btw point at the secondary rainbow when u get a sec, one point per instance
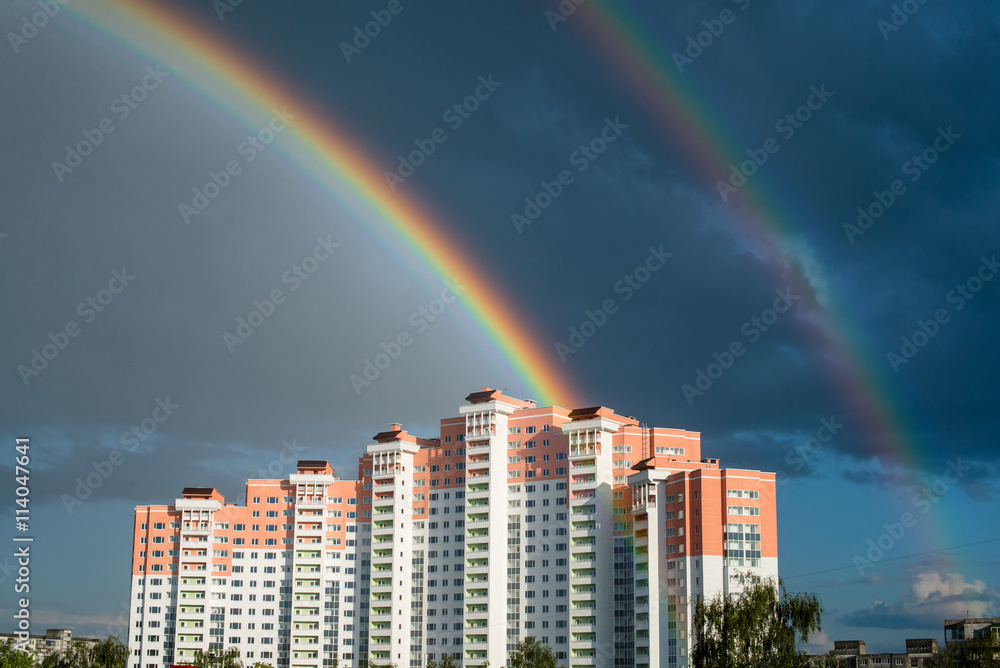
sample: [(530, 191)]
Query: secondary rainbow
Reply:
[(690, 124), (247, 90)]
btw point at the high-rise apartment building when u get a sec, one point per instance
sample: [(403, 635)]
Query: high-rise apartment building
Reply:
[(580, 527)]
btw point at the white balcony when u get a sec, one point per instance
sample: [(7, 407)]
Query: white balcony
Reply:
[(644, 505), (199, 531)]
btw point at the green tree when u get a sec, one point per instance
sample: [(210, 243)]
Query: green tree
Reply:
[(447, 661), (979, 652), (227, 659), (108, 653), (829, 660), (532, 654), (949, 657), (757, 628), (77, 655), (11, 657)]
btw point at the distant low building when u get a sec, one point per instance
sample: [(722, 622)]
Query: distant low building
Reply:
[(53, 642), (960, 630), (854, 654)]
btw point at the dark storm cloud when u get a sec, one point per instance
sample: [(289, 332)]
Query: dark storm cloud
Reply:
[(552, 98)]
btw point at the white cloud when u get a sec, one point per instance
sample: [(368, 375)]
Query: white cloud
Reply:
[(819, 643), (931, 597)]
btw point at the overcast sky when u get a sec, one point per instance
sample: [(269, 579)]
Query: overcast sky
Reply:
[(840, 104)]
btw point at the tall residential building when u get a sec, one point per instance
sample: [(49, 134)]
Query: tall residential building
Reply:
[(581, 527)]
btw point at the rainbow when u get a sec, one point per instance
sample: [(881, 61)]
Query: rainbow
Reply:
[(687, 122), (246, 89)]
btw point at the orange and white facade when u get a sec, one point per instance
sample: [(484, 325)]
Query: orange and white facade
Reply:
[(581, 528)]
